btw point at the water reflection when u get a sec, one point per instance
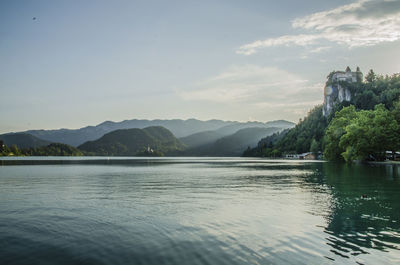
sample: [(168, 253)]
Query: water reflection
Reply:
[(365, 214)]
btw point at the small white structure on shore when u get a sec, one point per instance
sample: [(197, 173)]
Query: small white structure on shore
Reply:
[(149, 150), (307, 156)]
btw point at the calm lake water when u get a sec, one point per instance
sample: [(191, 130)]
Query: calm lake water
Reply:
[(197, 211)]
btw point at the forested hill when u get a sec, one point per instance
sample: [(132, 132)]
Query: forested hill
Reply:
[(22, 140), (310, 134), (307, 132), (155, 140)]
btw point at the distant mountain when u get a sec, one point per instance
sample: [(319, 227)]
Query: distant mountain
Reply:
[(201, 138), (232, 145), (233, 128), (23, 140), (281, 124), (131, 142), (180, 128)]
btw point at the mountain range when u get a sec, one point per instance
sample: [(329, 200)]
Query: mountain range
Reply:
[(188, 137), (180, 128)]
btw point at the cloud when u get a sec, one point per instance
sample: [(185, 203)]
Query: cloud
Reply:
[(363, 23), (252, 85), (319, 49), (299, 40)]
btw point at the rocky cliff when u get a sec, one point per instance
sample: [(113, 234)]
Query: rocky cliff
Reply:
[(334, 92)]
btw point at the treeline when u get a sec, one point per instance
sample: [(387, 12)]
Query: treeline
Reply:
[(363, 135), (362, 128), (54, 149), (377, 89)]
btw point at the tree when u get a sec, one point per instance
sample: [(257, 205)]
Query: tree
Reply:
[(14, 150), (276, 153), (396, 110), (335, 130), (362, 135), (359, 75), (314, 147), (371, 76), (366, 100)]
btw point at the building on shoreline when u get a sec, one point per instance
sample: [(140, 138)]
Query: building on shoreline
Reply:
[(305, 156)]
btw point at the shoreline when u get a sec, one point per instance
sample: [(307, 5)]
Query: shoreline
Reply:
[(389, 162)]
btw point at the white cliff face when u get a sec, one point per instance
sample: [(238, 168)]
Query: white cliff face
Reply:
[(340, 94), (334, 93), (347, 94)]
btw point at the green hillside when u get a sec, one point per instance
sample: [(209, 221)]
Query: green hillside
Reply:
[(22, 140), (307, 131), (131, 142), (233, 145)]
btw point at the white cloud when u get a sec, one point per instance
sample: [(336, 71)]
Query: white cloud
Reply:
[(245, 83), (266, 89), (299, 40), (363, 23), (320, 49)]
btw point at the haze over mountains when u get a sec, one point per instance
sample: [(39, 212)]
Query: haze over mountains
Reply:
[(180, 128), (230, 145), (23, 140), (188, 137)]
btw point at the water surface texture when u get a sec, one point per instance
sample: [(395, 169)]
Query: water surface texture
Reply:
[(197, 211)]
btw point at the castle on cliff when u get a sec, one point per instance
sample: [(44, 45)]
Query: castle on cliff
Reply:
[(335, 93)]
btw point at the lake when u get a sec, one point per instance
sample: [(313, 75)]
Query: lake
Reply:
[(197, 211)]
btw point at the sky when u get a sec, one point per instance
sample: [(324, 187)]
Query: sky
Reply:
[(69, 64)]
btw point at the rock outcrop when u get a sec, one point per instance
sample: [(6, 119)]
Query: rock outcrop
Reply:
[(335, 93)]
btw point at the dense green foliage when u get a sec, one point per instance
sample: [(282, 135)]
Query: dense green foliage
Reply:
[(375, 90), (299, 138), (131, 142), (335, 131), (54, 149), (362, 135)]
